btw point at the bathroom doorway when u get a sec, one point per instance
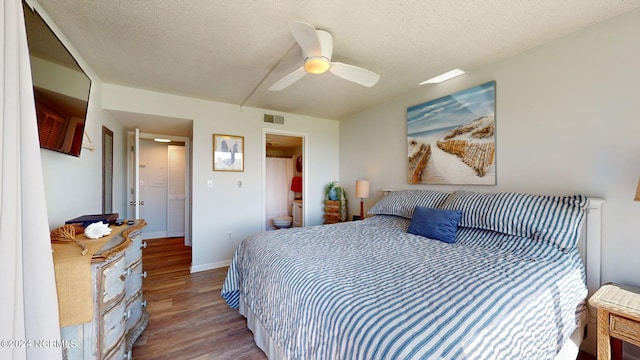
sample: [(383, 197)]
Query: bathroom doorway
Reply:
[(284, 169)]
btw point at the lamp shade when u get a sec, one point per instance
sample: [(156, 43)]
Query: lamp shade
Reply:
[(637, 198), (362, 189)]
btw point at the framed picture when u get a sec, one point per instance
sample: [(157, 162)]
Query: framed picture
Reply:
[(228, 152), (451, 140)]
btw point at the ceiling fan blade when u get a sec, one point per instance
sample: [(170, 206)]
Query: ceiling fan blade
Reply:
[(355, 74), (326, 43), (288, 79), (307, 37)]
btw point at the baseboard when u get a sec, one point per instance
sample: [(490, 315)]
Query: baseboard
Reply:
[(153, 235), (210, 266)]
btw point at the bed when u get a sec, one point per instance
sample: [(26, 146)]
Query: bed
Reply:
[(431, 275)]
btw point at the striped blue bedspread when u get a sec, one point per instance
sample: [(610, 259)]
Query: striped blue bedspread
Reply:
[(370, 290)]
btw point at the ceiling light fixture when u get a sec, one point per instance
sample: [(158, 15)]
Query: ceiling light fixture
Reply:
[(161, 140), (317, 64), (443, 77)]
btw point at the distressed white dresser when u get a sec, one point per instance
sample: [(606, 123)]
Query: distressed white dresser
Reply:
[(102, 309)]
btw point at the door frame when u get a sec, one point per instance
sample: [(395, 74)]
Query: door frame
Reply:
[(187, 183), (305, 137)]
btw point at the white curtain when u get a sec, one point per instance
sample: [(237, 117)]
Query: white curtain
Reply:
[(28, 301), (279, 172)]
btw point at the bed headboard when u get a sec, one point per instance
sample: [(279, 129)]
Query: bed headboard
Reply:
[(589, 247), (590, 244)]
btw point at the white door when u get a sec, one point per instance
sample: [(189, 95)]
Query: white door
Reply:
[(134, 176), (137, 199), (176, 191), (153, 183)]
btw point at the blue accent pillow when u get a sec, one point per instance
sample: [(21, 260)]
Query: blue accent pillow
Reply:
[(435, 224)]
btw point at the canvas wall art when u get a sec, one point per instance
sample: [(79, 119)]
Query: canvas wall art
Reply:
[(451, 140)]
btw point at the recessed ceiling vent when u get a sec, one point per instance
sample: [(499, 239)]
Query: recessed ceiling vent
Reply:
[(274, 119)]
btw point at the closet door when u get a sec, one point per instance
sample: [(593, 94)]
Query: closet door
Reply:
[(176, 191)]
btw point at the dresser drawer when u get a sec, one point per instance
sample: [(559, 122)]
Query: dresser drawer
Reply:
[(625, 329), (119, 352), (133, 281), (112, 279), (134, 251), (113, 326), (135, 308)]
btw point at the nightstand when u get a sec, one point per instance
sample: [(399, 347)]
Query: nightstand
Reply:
[(335, 211), (618, 318)]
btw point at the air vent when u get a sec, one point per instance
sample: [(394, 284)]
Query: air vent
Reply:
[(274, 119)]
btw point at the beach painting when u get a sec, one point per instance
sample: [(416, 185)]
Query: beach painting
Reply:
[(451, 140)]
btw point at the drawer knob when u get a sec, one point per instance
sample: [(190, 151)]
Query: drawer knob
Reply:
[(144, 275), (143, 245), (144, 303)]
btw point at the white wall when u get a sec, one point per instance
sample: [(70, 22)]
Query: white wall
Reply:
[(226, 207), (568, 121)]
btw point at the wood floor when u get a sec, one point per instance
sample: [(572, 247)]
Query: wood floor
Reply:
[(189, 319)]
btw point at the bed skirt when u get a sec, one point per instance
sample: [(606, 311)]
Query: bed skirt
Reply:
[(569, 350), (260, 335)]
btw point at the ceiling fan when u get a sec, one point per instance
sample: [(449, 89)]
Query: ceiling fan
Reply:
[(317, 48)]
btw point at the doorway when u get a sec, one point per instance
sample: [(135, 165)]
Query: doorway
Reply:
[(284, 178), (162, 191)]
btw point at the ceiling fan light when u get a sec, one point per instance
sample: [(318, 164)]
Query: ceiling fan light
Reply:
[(317, 65)]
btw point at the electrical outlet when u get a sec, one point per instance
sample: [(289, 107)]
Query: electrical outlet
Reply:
[(209, 184), (229, 235)]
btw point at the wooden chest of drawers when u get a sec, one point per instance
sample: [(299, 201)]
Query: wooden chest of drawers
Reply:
[(335, 211), (119, 310)]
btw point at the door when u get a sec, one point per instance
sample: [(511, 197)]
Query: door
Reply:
[(153, 185), (177, 204), (176, 196), (133, 194)]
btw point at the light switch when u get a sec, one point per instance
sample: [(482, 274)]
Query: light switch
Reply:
[(209, 184)]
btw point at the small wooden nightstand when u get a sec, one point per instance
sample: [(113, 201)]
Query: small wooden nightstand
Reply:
[(618, 318), (335, 211)]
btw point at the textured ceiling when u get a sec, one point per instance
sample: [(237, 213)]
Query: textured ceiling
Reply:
[(221, 49)]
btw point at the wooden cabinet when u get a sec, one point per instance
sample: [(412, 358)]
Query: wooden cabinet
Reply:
[(335, 211), (119, 309)]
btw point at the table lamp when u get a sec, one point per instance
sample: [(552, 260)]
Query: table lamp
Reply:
[(362, 191)]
